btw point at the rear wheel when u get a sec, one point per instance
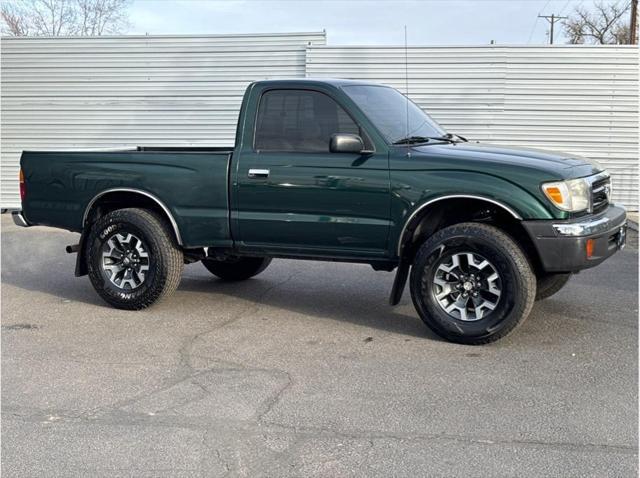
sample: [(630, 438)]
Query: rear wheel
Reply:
[(472, 284), (550, 284), (133, 259), (237, 268)]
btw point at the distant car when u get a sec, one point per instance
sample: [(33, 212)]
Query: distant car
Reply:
[(342, 171)]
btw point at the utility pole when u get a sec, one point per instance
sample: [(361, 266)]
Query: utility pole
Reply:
[(552, 19), (633, 24)]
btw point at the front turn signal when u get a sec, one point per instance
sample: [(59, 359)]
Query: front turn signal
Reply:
[(589, 248), (571, 195)]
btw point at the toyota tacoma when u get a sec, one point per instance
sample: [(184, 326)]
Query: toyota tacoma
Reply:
[(335, 170)]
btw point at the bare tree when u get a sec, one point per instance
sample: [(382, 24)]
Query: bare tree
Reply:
[(14, 20), (622, 34), (64, 17), (53, 17), (100, 17), (605, 25)]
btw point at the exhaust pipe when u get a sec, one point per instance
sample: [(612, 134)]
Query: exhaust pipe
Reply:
[(72, 249)]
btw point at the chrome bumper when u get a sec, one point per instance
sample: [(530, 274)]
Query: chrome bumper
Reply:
[(592, 226), (18, 219), (562, 245)]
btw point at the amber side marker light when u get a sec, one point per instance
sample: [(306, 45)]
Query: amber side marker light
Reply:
[(555, 194), (589, 248), (23, 191)]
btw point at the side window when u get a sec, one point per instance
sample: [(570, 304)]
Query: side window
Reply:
[(299, 120)]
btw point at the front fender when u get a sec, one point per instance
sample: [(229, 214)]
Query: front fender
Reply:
[(413, 191)]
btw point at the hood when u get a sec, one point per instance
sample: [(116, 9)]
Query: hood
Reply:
[(554, 163)]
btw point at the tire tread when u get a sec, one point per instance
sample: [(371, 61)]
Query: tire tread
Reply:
[(495, 235), (171, 255)]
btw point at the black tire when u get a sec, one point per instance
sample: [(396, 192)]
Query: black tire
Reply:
[(237, 268), (516, 283), (550, 284), (163, 260)]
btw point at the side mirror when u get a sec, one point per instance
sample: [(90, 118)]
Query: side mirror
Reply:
[(346, 143)]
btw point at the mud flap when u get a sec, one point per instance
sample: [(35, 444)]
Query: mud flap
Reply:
[(81, 258), (399, 282)]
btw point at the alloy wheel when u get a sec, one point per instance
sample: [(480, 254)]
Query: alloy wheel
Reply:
[(466, 286), (125, 260)]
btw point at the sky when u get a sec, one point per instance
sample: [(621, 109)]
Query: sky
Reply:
[(360, 22)]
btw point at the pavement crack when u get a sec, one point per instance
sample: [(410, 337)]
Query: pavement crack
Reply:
[(185, 353), (268, 405), (376, 435), (271, 288), (256, 428)]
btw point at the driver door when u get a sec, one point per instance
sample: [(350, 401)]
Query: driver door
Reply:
[(294, 195)]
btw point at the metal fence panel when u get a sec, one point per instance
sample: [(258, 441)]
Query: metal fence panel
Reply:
[(108, 92), (69, 93), (574, 99)]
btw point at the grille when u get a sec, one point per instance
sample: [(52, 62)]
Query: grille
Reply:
[(600, 191)]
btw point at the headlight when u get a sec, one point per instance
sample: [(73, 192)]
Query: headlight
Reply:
[(571, 195)]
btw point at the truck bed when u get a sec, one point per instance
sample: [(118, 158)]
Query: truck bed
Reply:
[(190, 182)]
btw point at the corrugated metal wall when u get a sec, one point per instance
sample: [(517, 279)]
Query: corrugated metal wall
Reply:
[(66, 93), (161, 90), (576, 99)]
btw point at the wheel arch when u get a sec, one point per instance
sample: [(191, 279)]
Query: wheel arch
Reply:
[(116, 198), (421, 212), (445, 211)]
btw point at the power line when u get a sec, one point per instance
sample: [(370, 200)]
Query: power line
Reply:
[(552, 19), (565, 6), (533, 29)]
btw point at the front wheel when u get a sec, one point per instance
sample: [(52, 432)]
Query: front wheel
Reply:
[(133, 259), (472, 284), (237, 268)]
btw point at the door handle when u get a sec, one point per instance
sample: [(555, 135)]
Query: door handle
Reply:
[(258, 173)]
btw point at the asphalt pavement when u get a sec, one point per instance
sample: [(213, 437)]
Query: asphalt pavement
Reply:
[(306, 371)]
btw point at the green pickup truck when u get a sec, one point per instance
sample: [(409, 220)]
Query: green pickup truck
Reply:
[(335, 170)]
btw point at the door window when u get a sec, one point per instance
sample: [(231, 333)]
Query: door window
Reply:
[(300, 121)]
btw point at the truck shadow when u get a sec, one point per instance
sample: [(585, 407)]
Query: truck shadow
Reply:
[(365, 304), (347, 293), (367, 308), (68, 288)]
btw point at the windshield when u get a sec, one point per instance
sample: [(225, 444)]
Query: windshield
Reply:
[(387, 110)]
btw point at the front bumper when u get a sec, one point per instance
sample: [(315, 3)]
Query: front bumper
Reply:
[(562, 245), (19, 219)]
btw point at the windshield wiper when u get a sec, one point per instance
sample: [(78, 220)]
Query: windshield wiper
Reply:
[(452, 136), (449, 138), (424, 139), (412, 140)]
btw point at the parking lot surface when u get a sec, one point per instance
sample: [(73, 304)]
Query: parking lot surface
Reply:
[(306, 371)]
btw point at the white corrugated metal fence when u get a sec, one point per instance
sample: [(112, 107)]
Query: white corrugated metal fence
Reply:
[(68, 93), (107, 92), (574, 99)]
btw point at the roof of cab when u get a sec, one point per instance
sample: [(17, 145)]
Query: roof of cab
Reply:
[(337, 82)]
